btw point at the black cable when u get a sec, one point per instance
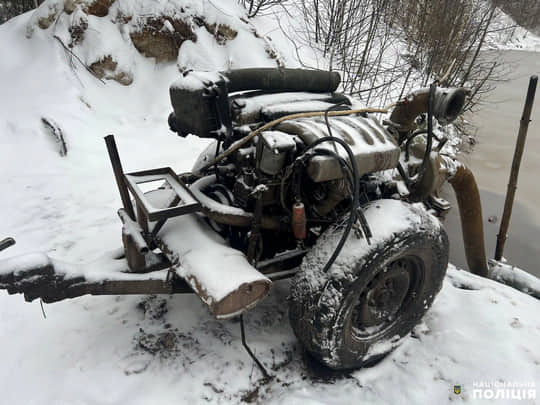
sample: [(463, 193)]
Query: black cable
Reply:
[(414, 135), (410, 139), (331, 108), (216, 172), (353, 214), (255, 359), (297, 173), (429, 143), (343, 163)]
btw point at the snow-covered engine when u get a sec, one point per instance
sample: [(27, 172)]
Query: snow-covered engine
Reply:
[(288, 149)]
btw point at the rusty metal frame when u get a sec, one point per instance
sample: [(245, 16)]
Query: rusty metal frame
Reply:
[(188, 202)]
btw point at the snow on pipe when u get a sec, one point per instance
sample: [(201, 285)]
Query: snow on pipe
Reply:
[(221, 276), (470, 210), (514, 277)]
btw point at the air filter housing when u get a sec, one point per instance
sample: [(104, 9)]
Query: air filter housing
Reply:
[(199, 101)]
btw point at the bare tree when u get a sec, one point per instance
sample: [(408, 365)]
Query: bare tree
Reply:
[(254, 7), (12, 8), (447, 37)]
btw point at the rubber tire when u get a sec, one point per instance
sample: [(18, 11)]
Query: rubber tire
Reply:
[(321, 304)]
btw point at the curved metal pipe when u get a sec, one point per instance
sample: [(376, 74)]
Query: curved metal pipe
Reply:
[(225, 214), (470, 211), (447, 105)]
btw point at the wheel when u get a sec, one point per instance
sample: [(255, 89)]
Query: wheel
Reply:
[(374, 294)]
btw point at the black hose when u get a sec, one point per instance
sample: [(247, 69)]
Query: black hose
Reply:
[(216, 172), (297, 172), (317, 81), (343, 163), (354, 209), (410, 139), (429, 143), (331, 108), (414, 135)]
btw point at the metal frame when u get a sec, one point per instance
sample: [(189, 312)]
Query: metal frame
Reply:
[(187, 201)]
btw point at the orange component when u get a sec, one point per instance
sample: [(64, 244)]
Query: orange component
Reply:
[(299, 221)]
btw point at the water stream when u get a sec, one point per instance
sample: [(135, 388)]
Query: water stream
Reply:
[(498, 123)]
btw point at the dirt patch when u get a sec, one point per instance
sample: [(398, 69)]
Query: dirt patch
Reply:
[(71, 5), (153, 307), (99, 8), (221, 32), (77, 30), (106, 68), (163, 344), (45, 22), (161, 37)]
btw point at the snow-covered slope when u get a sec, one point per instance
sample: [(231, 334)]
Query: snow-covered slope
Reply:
[(505, 34), (141, 350)]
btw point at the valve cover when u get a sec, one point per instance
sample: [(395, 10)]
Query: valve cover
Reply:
[(373, 146)]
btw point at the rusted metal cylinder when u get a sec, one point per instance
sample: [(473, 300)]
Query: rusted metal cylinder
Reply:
[(470, 211), (299, 221), (447, 105)]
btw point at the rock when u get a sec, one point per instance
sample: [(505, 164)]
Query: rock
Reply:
[(71, 5), (122, 77), (99, 8), (122, 18), (29, 31), (107, 64), (106, 68), (221, 32), (78, 28), (156, 40), (45, 22)]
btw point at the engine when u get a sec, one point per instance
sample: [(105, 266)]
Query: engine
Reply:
[(288, 155)]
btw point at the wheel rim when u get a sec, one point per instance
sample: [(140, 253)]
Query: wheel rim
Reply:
[(386, 297)]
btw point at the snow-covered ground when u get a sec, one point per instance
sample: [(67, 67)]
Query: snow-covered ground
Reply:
[(140, 350), (145, 350)]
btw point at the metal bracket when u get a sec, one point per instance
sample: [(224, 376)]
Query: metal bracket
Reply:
[(187, 203)]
